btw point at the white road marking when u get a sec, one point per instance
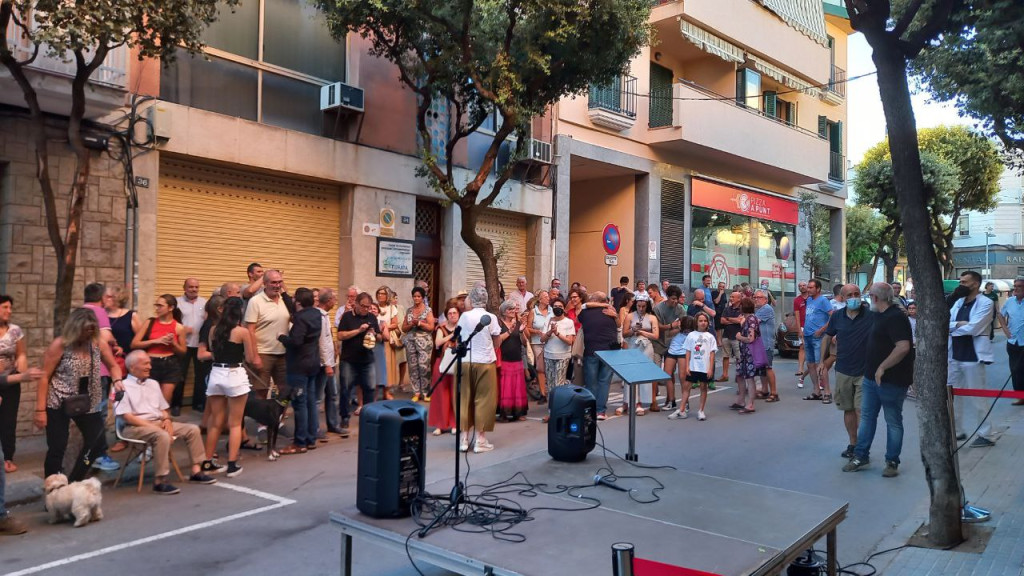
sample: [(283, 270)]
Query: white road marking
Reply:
[(279, 502)]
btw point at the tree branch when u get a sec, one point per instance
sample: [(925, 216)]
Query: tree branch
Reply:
[(935, 24), (907, 19)]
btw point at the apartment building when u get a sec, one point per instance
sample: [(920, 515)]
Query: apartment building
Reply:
[(699, 155), (994, 241)]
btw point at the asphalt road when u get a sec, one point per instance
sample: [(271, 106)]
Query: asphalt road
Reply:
[(272, 518)]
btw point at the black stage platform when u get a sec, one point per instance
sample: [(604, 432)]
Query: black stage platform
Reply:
[(701, 522)]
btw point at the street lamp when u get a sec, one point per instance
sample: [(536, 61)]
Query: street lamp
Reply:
[(988, 266)]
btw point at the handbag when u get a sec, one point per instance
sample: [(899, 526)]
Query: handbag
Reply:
[(447, 367), (79, 404), (758, 353)]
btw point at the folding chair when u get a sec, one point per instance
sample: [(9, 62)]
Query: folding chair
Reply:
[(137, 449)]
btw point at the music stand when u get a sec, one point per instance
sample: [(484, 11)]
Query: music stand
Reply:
[(634, 368)]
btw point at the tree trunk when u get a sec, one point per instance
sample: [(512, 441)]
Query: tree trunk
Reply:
[(930, 368), (484, 249), (73, 233)]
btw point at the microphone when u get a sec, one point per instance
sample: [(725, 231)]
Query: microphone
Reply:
[(456, 333), (603, 481), (484, 321)]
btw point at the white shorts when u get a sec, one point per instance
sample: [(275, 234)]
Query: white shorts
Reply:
[(230, 382)]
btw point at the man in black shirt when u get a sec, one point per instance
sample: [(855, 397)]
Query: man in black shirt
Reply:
[(888, 372), (619, 293), (358, 332), (731, 322), (302, 359), (601, 333)]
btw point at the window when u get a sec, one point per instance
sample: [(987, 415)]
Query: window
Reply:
[(748, 88), (1020, 271), (964, 226), (269, 71), (720, 246)]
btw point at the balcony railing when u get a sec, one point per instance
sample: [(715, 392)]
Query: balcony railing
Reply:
[(113, 71), (837, 167), (837, 82), (618, 97)]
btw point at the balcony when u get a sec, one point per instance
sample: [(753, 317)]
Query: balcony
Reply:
[(51, 78), (715, 129), (835, 92), (614, 105)]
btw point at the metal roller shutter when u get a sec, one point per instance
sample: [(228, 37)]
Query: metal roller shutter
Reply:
[(508, 233), (673, 245), (212, 222)]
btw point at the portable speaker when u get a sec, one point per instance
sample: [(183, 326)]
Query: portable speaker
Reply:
[(392, 457), (572, 428)]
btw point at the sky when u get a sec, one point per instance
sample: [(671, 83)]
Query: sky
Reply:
[(866, 122)]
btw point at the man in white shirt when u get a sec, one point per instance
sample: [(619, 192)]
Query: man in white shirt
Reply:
[(969, 351), (267, 317), (193, 314), (144, 410), (521, 296), (479, 386), (326, 384)]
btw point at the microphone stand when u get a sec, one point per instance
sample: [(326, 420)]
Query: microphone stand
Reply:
[(457, 496)]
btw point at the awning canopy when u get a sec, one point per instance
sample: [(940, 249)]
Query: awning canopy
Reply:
[(779, 75), (807, 16), (710, 43)]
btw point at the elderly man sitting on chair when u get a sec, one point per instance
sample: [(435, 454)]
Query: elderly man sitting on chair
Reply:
[(146, 418)]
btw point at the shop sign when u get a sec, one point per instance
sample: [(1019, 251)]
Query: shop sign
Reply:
[(394, 258), (707, 194)]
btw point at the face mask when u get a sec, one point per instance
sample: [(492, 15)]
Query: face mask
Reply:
[(853, 303), (557, 311)]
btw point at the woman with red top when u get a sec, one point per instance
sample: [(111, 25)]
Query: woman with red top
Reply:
[(163, 338), (442, 407), (574, 305)]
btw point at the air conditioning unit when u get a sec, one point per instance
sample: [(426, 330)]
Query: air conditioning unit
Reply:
[(341, 95), (539, 151)]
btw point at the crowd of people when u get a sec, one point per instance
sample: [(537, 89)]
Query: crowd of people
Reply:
[(259, 340)]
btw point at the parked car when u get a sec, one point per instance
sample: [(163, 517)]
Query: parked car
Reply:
[(787, 342)]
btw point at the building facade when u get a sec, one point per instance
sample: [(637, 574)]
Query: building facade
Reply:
[(997, 235), (700, 154), (253, 152)]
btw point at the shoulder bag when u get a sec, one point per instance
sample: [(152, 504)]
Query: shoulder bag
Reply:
[(79, 404)]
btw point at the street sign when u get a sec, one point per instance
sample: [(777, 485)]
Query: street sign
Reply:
[(984, 271), (610, 239), (611, 259)]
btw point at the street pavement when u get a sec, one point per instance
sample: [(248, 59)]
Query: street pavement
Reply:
[(273, 518)]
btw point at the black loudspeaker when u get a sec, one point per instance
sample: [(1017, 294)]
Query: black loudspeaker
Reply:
[(392, 457), (572, 428)]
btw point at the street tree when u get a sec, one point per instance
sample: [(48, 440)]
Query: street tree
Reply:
[(863, 229), (977, 65), (85, 33), (896, 37), (977, 164), (818, 255), (876, 187), (511, 58)]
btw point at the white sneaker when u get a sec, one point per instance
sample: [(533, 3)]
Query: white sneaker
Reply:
[(701, 416), (482, 446), (679, 414), (800, 383)]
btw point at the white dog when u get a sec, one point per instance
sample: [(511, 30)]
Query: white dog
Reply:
[(80, 499)]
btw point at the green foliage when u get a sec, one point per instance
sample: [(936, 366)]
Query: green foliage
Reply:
[(816, 217), (864, 229), (155, 27), (977, 65), (513, 56)]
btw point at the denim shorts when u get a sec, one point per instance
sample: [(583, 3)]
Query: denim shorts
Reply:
[(812, 349)]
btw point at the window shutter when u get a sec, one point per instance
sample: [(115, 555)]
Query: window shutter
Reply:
[(771, 104), (823, 126), (673, 243), (661, 103), (837, 137)]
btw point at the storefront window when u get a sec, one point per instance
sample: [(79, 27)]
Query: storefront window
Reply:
[(776, 257), (720, 247)]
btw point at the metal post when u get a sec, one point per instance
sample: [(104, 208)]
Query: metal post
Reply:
[(622, 559), (634, 398), (988, 271), (968, 514), (346, 555)]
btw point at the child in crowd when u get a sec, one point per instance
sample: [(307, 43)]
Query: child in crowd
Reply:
[(676, 353), (699, 368)]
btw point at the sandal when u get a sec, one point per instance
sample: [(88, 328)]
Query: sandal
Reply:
[(826, 399), (437, 431), (735, 406), (293, 449), (746, 411), (360, 409), (249, 445), (772, 398), (640, 411), (814, 396), (10, 467), (620, 410)]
